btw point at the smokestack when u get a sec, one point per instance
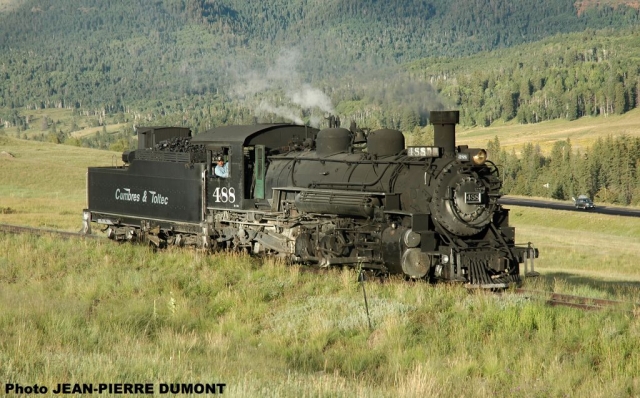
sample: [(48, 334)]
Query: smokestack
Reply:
[(444, 129)]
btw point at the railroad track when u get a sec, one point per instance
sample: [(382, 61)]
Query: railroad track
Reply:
[(584, 303), (17, 229), (550, 298)]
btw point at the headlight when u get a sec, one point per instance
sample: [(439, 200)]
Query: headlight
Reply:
[(480, 157), (444, 258)]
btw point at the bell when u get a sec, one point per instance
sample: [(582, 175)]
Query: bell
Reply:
[(360, 138)]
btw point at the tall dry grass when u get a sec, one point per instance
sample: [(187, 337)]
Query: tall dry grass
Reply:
[(87, 311)]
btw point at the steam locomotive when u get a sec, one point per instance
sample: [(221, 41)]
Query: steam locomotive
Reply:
[(329, 197)]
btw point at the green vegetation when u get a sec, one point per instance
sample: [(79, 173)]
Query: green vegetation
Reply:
[(565, 76), (123, 313), (608, 171)]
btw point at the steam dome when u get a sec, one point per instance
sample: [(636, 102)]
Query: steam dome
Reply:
[(385, 142)]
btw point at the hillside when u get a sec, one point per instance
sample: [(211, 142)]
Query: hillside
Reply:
[(202, 64), (582, 132), (112, 55)]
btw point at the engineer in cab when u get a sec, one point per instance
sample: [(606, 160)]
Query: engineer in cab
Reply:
[(222, 168)]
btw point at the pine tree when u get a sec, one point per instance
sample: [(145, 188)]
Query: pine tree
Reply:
[(508, 105), (572, 107), (493, 150), (410, 119), (620, 99)]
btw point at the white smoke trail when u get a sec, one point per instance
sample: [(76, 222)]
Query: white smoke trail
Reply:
[(282, 111), (283, 77), (310, 97)]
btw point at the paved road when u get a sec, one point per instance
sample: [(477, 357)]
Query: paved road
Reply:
[(552, 204)]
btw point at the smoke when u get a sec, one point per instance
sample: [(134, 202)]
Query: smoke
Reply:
[(287, 113), (315, 120), (309, 97), (282, 74), (281, 91)]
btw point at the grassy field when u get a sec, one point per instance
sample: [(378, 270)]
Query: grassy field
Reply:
[(63, 119), (94, 311), (583, 253), (582, 132), (43, 184)]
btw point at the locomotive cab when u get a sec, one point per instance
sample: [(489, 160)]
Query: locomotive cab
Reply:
[(225, 192), (243, 188), (245, 149)]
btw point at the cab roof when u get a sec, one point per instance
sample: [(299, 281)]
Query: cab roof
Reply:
[(271, 135)]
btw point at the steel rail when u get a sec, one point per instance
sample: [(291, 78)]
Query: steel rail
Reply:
[(19, 229), (585, 303)]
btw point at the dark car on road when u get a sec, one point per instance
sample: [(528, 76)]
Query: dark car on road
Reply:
[(584, 203)]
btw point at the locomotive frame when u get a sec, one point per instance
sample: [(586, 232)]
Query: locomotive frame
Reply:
[(323, 197)]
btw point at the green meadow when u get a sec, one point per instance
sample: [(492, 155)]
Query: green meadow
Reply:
[(92, 311)]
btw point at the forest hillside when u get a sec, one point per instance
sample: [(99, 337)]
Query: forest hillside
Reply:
[(117, 55)]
